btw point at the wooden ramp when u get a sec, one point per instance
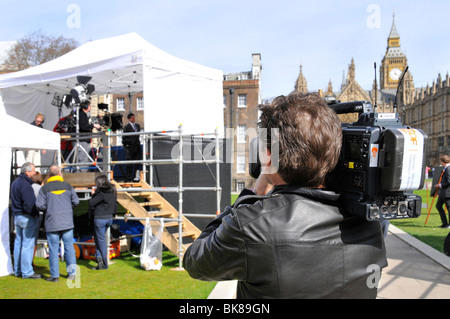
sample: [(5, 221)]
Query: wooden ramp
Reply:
[(151, 204)]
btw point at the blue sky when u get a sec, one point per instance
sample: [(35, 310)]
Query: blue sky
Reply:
[(321, 35)]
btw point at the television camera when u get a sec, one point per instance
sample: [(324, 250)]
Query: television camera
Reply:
[(109, 121), (381, 163)]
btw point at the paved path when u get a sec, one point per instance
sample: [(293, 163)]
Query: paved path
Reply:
[(415, 270)]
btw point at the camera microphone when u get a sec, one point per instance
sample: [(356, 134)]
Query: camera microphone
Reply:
[(352, 107)]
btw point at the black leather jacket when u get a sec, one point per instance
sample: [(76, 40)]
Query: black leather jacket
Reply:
[(293, 243)]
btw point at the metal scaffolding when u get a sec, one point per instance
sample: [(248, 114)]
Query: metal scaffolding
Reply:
[(148, 162)]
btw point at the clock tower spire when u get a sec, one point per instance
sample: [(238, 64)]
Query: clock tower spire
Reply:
[(394, 61)]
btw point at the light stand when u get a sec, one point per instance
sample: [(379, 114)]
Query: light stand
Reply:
[(79, 94)]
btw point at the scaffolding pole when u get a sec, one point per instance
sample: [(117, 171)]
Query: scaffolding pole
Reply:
[(148, 162)]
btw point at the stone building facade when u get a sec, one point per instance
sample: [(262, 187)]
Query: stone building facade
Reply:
[(428, 109), (241, 97)]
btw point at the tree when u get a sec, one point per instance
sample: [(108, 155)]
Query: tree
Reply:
[(36, 48)]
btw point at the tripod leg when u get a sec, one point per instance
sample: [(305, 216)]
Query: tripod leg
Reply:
[(429, 209)]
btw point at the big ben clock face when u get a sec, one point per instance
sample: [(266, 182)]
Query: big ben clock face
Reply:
[(395, 74)]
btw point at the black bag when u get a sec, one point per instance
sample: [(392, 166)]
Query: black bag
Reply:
[(115, 231)]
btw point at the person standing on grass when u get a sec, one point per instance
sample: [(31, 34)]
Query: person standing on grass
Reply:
[(104, 205), (57, 199), (25, 221), (444, 191)]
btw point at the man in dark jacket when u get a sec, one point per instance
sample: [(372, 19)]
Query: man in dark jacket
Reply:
[(444, 191), (57, 199), (26, 222), (132, 145), (293, 242), (104, 205)]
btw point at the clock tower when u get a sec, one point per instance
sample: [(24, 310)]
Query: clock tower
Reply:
[(394, 61)]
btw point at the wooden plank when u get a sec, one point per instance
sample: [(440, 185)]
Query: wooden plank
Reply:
[(80, 179), (166, 210)]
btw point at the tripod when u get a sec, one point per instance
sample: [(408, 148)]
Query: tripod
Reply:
[(74, 154)]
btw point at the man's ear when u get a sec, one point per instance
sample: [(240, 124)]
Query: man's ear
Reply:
[(265, 160)]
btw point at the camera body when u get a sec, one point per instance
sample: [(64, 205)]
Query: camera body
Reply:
[(381, 163), (110, 121)]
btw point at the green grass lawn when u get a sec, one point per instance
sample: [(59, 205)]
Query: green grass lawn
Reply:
[(125, 279), (429, 233)]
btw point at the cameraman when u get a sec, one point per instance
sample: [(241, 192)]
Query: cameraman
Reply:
[(293, 242), (85, 127)]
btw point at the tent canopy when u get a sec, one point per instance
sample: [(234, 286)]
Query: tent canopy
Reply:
[(176, 91)]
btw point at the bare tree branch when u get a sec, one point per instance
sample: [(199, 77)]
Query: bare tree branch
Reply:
[(36, 48)]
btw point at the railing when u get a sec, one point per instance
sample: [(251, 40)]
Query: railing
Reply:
[(149, 162)]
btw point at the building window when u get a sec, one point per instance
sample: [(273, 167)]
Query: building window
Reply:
[(240, 186), (240, 165), (120, 104), (242, 100), (241, 129), (140, 103), (224, 101), (440, 143)]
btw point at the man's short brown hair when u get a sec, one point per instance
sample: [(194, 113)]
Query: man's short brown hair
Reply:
[(445, 158), (310, 137)]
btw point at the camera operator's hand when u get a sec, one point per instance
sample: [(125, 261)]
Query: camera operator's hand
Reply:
[(262, 185)]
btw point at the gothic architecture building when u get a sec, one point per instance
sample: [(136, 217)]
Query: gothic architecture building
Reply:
[(394, 61), (427, 108)]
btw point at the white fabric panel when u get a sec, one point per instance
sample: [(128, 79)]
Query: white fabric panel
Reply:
[(6, 267), (16, 134)]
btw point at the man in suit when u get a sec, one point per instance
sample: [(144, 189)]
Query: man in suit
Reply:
[(132, 146), (444, 191)]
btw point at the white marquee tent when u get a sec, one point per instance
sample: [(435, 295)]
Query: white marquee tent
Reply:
[(175, 91), (16, 135)]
